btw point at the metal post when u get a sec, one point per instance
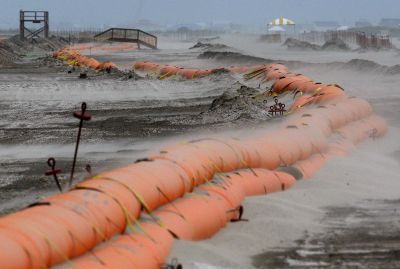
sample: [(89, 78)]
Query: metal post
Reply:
[(21, 25), (82, 116), (54, 171), (46, 24)]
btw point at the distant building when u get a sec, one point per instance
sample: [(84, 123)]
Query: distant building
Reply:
[(390, 22)]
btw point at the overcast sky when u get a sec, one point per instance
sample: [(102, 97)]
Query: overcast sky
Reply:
[(254, 12)]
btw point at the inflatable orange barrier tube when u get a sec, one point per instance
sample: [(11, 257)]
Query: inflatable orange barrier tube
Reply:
[(267, 151), (80, 229), (195, 215), (122, 195), (274, 74), (228, 187), (139, 66), (187, 73), (204, 73), (41, 231), (150, 67), (284, 83), (216, 156), (168, 71), (238, 69), (310, 87), (147, 248), (106, 65), (104, 210), (153, 182), (155, 238), (310, 166), (13, 254), (164, 71), (76, 58), (297, 82), (262, 181)]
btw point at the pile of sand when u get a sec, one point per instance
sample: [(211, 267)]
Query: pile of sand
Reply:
[(362, 65), (295, 44), (7, 54), (333, 44), (209, 46), (233, 57), (208, 39), (13, 49), (241, 103)]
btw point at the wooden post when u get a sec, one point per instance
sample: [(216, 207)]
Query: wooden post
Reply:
[(21, 25), (46, 24)]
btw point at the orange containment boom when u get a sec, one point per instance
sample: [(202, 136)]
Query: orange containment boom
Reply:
[(163, 71), (129, 217), (74, 58)]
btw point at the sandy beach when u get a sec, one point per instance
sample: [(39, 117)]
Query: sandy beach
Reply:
[(346, 216)]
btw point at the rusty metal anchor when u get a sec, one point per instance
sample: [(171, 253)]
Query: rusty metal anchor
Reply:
[(173, 265), (277, 108), (54, 171), (373, 133), (82, 116)]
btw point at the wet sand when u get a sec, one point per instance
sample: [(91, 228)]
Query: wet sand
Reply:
[(363, 236)]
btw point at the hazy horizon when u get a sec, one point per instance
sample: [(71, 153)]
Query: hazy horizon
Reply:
[(172, 12)]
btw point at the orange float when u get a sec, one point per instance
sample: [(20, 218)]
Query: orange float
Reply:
[(187, 73), (153, 183)]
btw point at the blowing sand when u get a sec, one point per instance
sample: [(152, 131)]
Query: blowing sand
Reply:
[(362, 181), (276, 221), (134, 117)]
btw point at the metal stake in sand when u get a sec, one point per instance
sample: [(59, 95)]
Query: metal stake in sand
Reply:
[(277, 108), (82, 116), (54, 171)]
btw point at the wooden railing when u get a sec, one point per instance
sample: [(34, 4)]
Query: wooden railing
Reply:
[(128, 35)]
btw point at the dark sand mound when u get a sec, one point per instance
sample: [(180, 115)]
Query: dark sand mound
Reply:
[(236, 104), (7, 55), (13, 49), (364, 65), (229, 56), (360, 65), (230, 98), (393, 70), (372, 67), (295, 44), (333, 44), (209, 46), (208, 39), (240, 104)]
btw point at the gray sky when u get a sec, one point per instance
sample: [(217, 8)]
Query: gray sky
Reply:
[(255, 12)]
